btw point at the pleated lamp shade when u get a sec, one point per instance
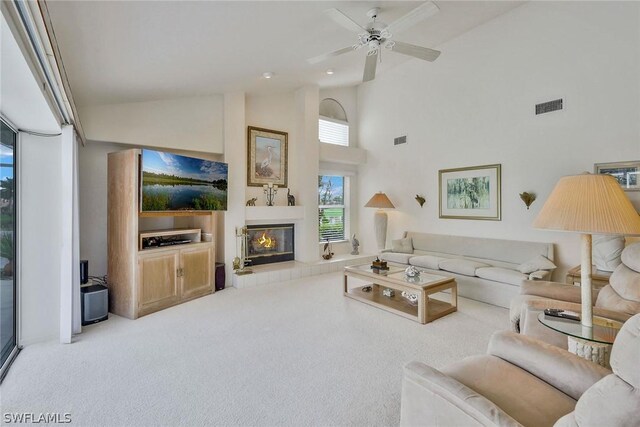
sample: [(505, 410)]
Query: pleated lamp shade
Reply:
[(380, 201), (589, 204)]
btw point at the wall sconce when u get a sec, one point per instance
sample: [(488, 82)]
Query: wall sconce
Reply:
[(528, 198), (420, 199)]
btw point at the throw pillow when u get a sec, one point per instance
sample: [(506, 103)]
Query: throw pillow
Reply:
[(404, 246), (538, 263)]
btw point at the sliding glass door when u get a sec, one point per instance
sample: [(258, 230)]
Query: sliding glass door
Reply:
[(8, 339)]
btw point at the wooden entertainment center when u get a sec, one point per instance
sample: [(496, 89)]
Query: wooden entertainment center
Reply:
[(145, 280)]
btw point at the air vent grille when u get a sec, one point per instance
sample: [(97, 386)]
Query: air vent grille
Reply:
[(547, 107), (400, 140)]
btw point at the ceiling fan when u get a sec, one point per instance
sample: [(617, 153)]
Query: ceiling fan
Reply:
[(377, 35)]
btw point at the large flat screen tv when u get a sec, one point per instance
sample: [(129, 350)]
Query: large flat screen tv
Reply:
[(171, 182)]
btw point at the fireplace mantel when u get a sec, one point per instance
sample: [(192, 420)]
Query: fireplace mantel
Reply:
[(274, 213)]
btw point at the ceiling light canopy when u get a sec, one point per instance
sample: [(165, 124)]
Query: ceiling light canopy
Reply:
[(267, 74)]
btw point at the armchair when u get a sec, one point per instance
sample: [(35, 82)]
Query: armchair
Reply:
[(617, 301), (522, 381)]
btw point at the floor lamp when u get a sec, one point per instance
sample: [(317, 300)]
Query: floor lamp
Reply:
[(380, 201), (588, 204)]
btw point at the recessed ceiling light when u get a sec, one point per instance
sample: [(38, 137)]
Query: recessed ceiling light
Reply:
[(267, 75), (330, 71)]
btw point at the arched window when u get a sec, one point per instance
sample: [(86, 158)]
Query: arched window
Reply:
[(333, 127)]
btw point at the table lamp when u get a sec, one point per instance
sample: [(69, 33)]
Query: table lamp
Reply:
[(588, 204), (380, 201)]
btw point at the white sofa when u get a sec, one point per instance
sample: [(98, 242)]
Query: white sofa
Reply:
[(485, 269)]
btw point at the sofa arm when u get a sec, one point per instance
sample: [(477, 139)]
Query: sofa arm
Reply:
[(539, 275), (565, 371), (432, 398), (552, 290)]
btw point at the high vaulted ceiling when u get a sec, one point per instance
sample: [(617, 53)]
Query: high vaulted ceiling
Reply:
[(126, 51)]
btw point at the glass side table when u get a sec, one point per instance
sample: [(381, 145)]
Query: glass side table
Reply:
[(589, 343)]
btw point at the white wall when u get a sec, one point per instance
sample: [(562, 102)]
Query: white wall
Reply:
[(40, 243), (194, 124), (475, 105), (276, 112), (93, 202)]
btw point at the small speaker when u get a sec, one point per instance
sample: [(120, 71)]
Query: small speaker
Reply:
[(220, 276), (84, 271), (95, 304)]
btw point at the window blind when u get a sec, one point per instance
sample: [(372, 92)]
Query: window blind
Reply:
[(332, 132)]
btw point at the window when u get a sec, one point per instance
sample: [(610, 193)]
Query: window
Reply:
[(331, 212), (8, 342), (333, 131)]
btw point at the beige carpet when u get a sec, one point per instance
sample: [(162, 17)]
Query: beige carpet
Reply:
[(294, 353)]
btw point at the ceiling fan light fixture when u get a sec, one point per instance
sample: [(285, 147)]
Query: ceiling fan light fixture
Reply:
[(330, 71), (267, 74)]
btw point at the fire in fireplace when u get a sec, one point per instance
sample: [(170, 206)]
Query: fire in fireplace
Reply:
[(270, 243)]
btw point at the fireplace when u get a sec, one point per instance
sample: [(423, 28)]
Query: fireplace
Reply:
[(270, 243)]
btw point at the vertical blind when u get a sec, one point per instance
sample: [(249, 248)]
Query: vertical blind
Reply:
[(333, 132)]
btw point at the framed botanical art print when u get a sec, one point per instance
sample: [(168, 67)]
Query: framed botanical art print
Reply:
[(267, 157), (471, 193), (626, 173)]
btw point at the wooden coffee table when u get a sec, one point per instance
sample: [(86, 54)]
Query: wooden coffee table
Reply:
[(427, 308)]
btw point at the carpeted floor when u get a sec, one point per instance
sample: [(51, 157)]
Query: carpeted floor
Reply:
[(294, 353)]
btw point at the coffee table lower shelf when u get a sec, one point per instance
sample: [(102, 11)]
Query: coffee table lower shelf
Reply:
[(399, 305)]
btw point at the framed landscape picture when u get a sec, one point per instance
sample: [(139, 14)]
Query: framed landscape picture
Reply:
[(626, 173), (471, 193), (267, 157)]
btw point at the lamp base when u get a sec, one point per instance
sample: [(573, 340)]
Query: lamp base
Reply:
[(380, 227), (586, 299)]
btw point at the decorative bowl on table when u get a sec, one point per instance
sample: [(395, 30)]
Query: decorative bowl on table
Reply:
[(411, 271)]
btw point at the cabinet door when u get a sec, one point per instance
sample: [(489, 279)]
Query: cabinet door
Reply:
[(158, 282), (197, 277)]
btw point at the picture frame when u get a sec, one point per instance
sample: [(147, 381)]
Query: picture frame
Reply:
[(267, 161), (471, 193), (626, 173)]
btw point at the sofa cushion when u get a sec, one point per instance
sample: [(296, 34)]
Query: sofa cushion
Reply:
[(461, 266), (631, 256), (609, 299), (528, 399), (626, 353), (537, 263), (504, 275), (626, 282), (427, 261), (403, 246), (395, 257)]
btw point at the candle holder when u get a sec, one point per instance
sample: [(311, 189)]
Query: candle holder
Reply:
[(270, 192)]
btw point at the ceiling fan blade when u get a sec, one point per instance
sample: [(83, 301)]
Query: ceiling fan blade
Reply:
[(418, 14), (370, 67), (343, 20), (326, 56), (419, 52)]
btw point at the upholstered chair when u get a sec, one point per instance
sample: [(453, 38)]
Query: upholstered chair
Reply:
[(617, 301), (522, 381)]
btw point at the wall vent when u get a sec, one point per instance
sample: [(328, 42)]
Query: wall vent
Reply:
[(547, 107), (400, 140)]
